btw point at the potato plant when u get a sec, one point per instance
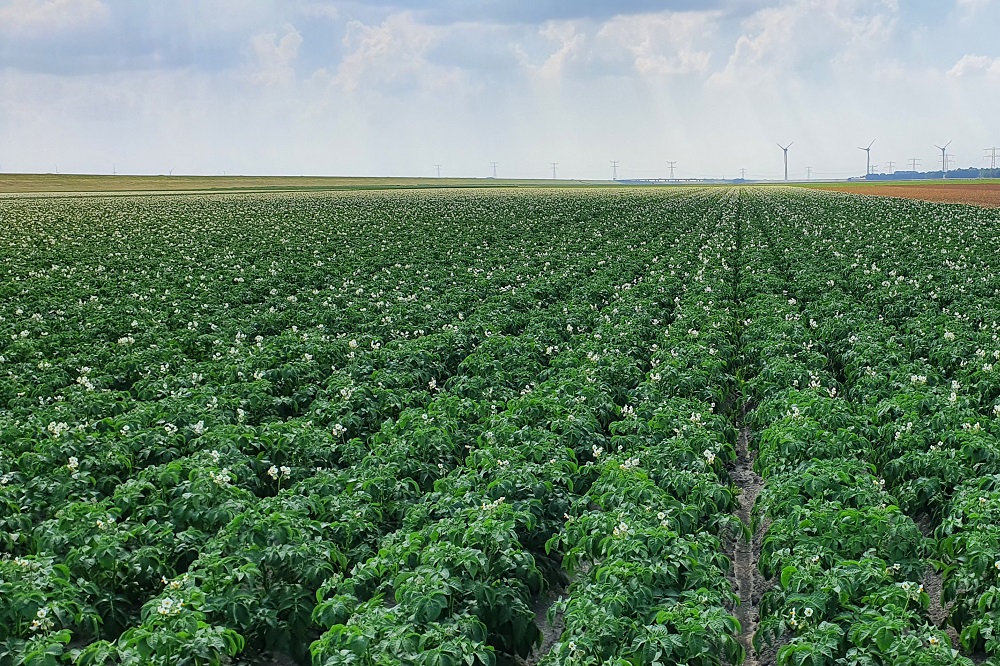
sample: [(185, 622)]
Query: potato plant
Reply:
[(383, 428)]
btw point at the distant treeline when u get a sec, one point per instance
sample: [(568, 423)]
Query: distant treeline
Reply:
[(930, 175)]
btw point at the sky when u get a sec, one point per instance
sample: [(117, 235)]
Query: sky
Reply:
[(394, 87)]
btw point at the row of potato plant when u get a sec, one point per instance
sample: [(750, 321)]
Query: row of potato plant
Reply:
[(643, 547), (920, 363), (847, 561), (560, 427), (257, 416)]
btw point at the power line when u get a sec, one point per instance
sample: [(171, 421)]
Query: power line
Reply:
[(494, 165), (438, 167), (553, 165), (993, 156), (671, 164), (614, 169), (914, 163), (743, 174), (890, 166), (809, 173)]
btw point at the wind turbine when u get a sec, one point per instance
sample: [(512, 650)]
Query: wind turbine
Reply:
[(868, 151), (785, 150), (944, 159)]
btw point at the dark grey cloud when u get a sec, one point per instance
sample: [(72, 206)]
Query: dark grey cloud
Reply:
[(143, 34), (129, 35), (213, 35)]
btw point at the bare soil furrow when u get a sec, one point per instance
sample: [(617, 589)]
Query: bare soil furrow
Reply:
[(746, 554)]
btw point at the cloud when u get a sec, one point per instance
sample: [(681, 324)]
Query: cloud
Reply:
[(83, 37), (398, 85), (969, 7), (975, 64), (664, 44), (392, 54), (656, 45), (536, 12), (33, 17), (321, 10), (275, 57), (809, 36), (569, 45)]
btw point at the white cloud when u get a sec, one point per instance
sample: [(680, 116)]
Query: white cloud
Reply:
[(659, 44), (975, 64), (569, 47), (665, 44), (35, 17), (392, 54), (805, 34), (275, 57)]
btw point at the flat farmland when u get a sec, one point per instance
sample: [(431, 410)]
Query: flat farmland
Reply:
[(499, 427), (55, 184)]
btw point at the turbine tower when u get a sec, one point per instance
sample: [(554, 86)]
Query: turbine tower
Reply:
[(868, 152), (944, 158), (785, 150)]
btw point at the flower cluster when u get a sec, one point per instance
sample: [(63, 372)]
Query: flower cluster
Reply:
[(43, 621), (169, 606), (221, 478), (282, 472), (489, 506)]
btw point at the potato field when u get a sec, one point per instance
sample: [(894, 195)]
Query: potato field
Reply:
[(625, 427)]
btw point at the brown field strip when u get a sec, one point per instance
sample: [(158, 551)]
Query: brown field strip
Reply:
[(979, 194)]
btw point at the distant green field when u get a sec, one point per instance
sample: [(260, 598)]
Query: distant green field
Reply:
[(60, 183)]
